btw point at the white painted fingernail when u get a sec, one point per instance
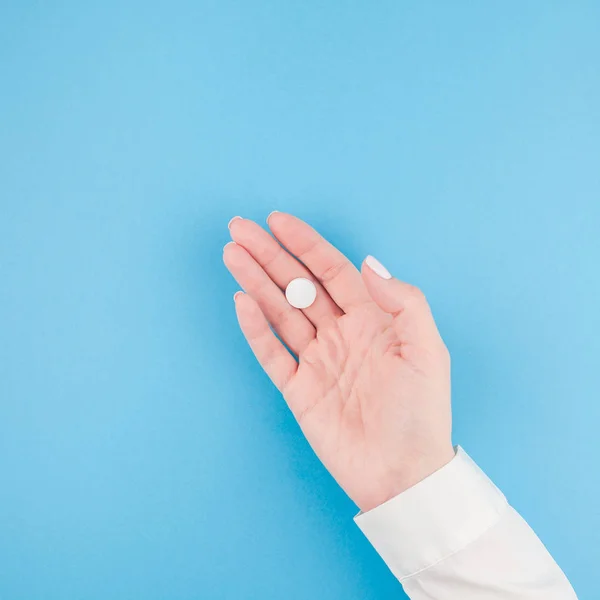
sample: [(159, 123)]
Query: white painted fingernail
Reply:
[(235, 296), (377, 267), (232, 220), (271, 214)]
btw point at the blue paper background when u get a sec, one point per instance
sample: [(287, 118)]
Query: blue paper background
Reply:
[(143, 454)]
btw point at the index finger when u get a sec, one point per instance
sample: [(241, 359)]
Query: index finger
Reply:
[(335, 272)]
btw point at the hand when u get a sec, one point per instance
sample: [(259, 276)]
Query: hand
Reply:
[(371, 386)]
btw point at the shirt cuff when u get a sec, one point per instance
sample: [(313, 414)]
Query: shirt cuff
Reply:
[(434, 519)]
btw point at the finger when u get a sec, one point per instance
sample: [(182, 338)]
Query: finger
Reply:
[(413, 320), (337, 274), (281, 267), (290, 324), (277, 362)]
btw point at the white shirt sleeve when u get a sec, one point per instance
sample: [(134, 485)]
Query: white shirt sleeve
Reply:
[(453, 536)]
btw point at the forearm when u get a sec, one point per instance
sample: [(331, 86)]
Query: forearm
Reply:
[(453, 536)]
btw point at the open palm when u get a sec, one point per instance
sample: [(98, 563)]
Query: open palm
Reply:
[(371, 384)]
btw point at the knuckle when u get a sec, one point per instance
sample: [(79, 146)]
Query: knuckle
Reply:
[(310, 246), (269, 257), (333, 271), (280, 316), (415, 297)]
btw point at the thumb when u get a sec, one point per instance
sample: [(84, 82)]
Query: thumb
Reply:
[(413, 320)]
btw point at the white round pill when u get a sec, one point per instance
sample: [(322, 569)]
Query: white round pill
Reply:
[(301, 292)]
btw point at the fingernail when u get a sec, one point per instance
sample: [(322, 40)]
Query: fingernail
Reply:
[(271, 214), (377, 267), (228, 244), (232, 220), (235, 296)]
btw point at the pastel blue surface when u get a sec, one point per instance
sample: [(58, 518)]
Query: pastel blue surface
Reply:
[(143, 453)]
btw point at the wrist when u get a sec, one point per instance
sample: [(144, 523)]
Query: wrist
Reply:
[(411, 474)]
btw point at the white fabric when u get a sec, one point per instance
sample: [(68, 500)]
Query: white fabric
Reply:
[(453, 536)]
